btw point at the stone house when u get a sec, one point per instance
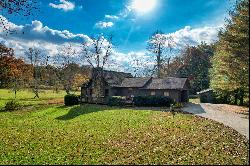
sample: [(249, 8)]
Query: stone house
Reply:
[(99, 89)]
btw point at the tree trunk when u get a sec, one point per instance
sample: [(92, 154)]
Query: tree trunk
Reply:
[(159, 62), (235, 97), (241, 97)]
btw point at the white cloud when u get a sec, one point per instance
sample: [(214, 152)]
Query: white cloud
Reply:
[(102, 24), (114, 17), (193, 36), (64, 5), (48, 40), (37, 31), (131, 61)]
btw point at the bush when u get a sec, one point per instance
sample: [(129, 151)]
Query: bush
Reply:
[(71, 99), (12, 106), (193, 96), (177, 105), (117, 101), (156, 101)]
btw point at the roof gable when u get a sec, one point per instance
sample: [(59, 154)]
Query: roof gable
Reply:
[(167, 83), (134, 82)]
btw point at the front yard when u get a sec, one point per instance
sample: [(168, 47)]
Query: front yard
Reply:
[(103, 135)]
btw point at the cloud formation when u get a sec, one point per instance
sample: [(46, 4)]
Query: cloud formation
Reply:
[(49, 41), (37, 31), (103, 24), (114, 17), (37, 35), (64, 5), (194, 36)]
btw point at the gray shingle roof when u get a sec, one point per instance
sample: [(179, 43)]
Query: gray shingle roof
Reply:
[(115, 78), (166, 83), (134, 82)]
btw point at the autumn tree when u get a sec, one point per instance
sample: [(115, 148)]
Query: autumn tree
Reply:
[(14, 73), (159, 44), (230, 72), (194, 63)]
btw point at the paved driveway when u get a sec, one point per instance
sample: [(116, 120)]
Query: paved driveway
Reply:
[(238, 122)]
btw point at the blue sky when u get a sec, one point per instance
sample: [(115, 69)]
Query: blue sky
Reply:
[(189, 21)]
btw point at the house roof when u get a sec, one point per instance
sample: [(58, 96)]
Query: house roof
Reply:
[(126, 80), (166, 83), (134, 82), (115, 78)]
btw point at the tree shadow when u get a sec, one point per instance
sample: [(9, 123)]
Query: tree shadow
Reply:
[(193, 108), (81, 110)]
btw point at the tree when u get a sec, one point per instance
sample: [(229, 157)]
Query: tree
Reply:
[(158, 44), (65, 63), (97, 53), (5, 51), (140, 66), (194, 63), (14, 73), (37, 59), (230, 72), (21, 8)]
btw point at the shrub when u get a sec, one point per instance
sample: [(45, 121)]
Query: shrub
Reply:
[(71, 99), (193, 96), (177, 105), (12, 106), (156, 101), (117, 101)]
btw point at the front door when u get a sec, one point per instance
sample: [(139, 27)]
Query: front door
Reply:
[(184, 96)]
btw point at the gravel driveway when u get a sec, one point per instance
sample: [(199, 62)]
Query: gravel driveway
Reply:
[(238, 122)]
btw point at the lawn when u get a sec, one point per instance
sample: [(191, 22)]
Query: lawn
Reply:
[(94, 134), (26, 97)]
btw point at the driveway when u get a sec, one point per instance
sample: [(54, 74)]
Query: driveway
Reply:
[(239, 122)]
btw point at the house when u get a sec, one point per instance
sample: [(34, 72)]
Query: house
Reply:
[(99, 89)]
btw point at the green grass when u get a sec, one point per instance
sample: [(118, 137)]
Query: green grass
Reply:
[(26, 97), (195, 100), (102, 135)]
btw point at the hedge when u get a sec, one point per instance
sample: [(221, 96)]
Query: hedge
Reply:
[(71, 99), (156, 101), (117, 101)]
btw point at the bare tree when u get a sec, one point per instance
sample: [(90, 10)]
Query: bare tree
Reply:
[(20, 8), (37, 59), (66, 64), (97, 53), (141, 66), (159, 44)]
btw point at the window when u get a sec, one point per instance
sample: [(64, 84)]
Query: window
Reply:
[(166, 93), (130, 89), (152, 93), (106, 92)]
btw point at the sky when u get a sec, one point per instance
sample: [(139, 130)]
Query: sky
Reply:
[(130, 22)]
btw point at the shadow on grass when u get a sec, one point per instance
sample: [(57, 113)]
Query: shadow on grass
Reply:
[(81, 110), (193, 108)]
